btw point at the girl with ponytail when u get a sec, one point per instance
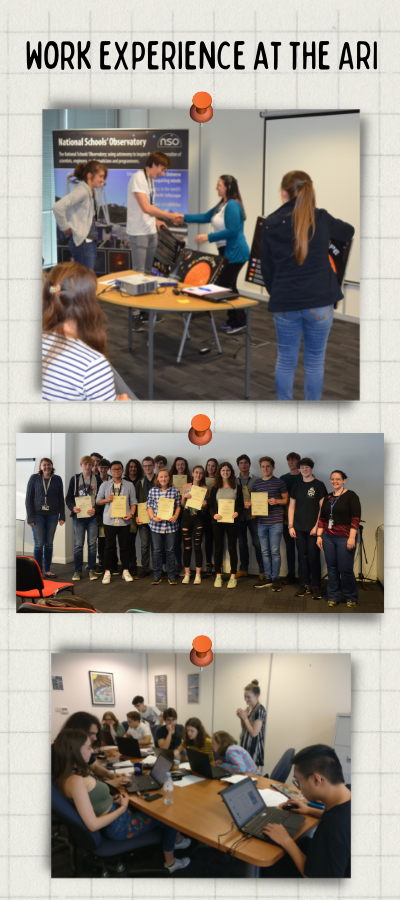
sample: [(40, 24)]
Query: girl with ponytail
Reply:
[(76, 212), (301, 282)]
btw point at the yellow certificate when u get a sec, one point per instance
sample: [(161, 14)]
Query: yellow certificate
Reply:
[(246, 494), (143, 513), (118, 507), (210, 482), (259, 504), (165, 508), (197, 496), (226, 508), (83, 503), (179, 481)]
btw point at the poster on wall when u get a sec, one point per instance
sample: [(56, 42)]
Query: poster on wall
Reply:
[(57, 682), (123, 151), (161, 691), (102, 688), (193, 688)]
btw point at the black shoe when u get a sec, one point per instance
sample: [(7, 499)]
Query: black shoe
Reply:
[(133, 570), (209, 568), (290, 579), (115, 570), (316, 593), (276, 585), (99, 569), (303, 590), (264, 584), (142, 574)]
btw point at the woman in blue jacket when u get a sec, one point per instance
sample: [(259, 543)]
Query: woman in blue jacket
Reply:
[(227, 219), (301, 282), (45, 508)]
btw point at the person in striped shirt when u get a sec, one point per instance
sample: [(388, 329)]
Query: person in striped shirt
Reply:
[(234, 758), (163, 531), (74, 354), (270, 528)]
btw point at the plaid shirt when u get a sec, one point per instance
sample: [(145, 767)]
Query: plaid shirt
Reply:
[(171, 493), (239, 761)]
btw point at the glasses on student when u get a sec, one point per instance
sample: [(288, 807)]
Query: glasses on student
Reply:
[(296, 783)]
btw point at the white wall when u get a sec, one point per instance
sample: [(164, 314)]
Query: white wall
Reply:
[(129, 670), (302, 692)]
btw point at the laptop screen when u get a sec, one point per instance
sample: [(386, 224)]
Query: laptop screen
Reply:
[(243, 802), (160, 769)]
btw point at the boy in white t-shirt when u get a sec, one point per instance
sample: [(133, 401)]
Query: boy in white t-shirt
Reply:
[(143, 216), (139, 730)]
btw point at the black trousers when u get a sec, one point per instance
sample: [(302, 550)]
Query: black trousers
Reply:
[(111, 532), (231, 531), (208, 537), (290, 550), (192, 527), (309, 558), (101, 544), (236, 317)]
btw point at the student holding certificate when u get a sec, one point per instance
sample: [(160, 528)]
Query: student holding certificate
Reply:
[(194, 505), (163, 505), (180, 474), (226, 506), (270, 526), (211, 469), (119, 500), (247, 523), (81, 501)]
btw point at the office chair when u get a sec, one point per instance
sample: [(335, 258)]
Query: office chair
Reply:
[(281, 771), (93, 842), (30, 583)]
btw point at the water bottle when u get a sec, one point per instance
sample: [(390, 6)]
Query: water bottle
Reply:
[(168, 789)]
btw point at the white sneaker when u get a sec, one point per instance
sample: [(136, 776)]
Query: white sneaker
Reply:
[(106, 578), (178, 864), (127, 575), (197, 580), (186, 578), (184, 844)]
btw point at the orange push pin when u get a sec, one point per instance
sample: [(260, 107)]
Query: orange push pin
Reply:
[(200, 433), (201, 111), (201, 655)]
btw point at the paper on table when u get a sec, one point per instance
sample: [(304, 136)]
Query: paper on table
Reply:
[(178, 481), (226, 508), (128, 771), (259, 504), (122, 765), (185, 765), (234, 779), (151, 760), (118, 508), (271, 798), (83, 503), (187, 779), (143, 513), (165, 508), (197, 496)]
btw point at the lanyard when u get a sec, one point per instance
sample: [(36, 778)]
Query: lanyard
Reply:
[(86, 487), (118, 493), (333, 501), (150, 185), (46, 488)]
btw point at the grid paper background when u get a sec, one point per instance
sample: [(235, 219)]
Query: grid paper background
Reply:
[(374, 641)]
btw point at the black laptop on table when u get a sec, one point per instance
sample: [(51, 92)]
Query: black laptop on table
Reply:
[(150, 782), (250, 813), (128, 746), (200, 763)]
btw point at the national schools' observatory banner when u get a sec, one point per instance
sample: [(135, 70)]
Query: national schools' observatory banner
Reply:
[(124, 151)]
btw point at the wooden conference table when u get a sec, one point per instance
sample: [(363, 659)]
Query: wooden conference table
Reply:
[(168, 302), (200, 813)]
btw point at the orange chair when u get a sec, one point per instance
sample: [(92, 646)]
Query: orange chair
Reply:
[(30, 583)]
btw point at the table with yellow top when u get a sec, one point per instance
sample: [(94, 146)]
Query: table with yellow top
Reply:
[(165, 301)]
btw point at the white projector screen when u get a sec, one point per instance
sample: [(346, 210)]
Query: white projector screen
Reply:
[(327, 147)]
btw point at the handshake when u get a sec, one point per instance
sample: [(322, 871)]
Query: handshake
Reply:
[(176, 218)]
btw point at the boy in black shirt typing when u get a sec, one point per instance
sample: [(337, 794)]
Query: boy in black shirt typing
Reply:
[(319, 776)]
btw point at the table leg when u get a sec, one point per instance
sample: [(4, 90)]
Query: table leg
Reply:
[(130, 327), (215, 333), (151, 352), (248, 352), (184, 336), (252, 871)]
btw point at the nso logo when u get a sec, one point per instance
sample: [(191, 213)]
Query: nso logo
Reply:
[(169, 140)]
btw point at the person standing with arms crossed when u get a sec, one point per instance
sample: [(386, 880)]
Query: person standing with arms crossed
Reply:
[(304, 507), (293, 476)]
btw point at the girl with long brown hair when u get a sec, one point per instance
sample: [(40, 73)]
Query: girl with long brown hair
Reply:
[(75, 364), (75, 213), (194, 735), (301, 281), (192, 525), (225, 488)]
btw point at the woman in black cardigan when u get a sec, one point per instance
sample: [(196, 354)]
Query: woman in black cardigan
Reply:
[(300, 279), (225, 488), (45, 509), (337, 533)]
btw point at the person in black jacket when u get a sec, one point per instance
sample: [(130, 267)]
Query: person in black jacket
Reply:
[(225, 488), (301, 282), (45, 509)]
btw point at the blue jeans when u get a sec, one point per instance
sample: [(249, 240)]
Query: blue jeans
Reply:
[(159, 542), (145, 544), (133, 823), (85, 254), (315, 325), (44, 530), (251, 525), (340, 564), (81, 528), (270, 534)]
